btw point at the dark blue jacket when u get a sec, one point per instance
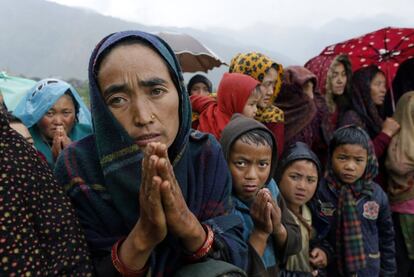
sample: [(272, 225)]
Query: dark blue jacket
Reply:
[(377, 229)]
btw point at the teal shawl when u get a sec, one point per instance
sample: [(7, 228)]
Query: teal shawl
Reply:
[(102, 174)]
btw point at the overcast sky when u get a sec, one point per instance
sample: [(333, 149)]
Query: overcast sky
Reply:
[(238, 14)]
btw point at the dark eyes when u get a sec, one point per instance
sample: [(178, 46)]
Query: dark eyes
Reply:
[(158, 91), (116, 101), (240, 163), (263, 164)]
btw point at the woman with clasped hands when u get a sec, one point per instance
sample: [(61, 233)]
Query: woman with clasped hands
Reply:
[(152, 195)]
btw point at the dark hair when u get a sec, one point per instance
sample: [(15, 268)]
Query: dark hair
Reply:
[(198, 78), (256, 137), (404, 79), (350, 134), (75, 103)]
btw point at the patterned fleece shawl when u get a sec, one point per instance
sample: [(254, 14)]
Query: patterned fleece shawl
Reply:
[(350, 248), (256, 65), (40, 234), (233, 92), (400, 158), (102, 174)]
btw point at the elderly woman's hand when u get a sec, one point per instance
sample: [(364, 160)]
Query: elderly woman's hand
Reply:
[(151, 227), (180, 220)]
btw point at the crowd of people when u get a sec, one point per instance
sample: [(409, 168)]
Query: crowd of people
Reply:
[(296, 171)]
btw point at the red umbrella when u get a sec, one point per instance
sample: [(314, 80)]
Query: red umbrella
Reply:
[(387, 48)]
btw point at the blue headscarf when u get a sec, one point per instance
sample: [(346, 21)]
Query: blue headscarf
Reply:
[(40, 99), (103, 172)]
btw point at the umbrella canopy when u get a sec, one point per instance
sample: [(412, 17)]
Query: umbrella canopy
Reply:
[(387, 48), (192, 54), (13, 89)]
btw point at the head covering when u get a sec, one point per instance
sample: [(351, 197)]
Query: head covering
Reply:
[(232, 94), (400, 158), (404, 79), (323, 71), (257, 65), (362, 102), (41, 98), (40, 233), (240, 125), (350, 248), (102, 173), (299, 109), (294, 152), (198, 78)]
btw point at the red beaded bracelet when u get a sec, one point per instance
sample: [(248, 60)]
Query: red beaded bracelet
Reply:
[(121, 267), (205, 248)]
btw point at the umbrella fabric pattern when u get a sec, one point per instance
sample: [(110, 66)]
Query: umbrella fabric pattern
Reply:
[(387, 48), (192, 54)]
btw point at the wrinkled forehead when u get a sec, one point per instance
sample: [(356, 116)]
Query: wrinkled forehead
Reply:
[(127, 38)]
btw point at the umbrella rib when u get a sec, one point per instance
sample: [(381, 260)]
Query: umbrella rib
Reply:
[(402, 41)]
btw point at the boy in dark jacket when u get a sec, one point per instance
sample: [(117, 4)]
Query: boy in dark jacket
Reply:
[(298, 175), (361, 228), (250, 150)]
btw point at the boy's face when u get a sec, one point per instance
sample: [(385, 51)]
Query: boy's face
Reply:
[(250, 167), (298, 183), (349, 162)]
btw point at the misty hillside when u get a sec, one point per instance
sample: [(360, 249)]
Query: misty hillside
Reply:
[(45, 39)]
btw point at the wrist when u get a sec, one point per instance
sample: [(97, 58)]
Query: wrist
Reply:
[(134, 251), (259, 235), (280, 234), (123, 268), (195, 238), (205, 248), (387, 132)]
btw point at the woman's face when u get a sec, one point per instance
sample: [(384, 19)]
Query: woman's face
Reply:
[(268, 87), (378, 89), (339, 79), (136, 86), (199, 89), (62, 114)]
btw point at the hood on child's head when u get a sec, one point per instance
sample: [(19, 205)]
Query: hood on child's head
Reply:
[(294, 152), (240, 125)]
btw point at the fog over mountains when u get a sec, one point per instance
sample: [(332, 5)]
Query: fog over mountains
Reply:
[(45, 39)]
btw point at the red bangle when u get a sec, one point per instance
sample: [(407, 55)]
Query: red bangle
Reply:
[(205, 248), (121, 267)]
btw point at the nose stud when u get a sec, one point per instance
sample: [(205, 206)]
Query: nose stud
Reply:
[(153, 116)]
